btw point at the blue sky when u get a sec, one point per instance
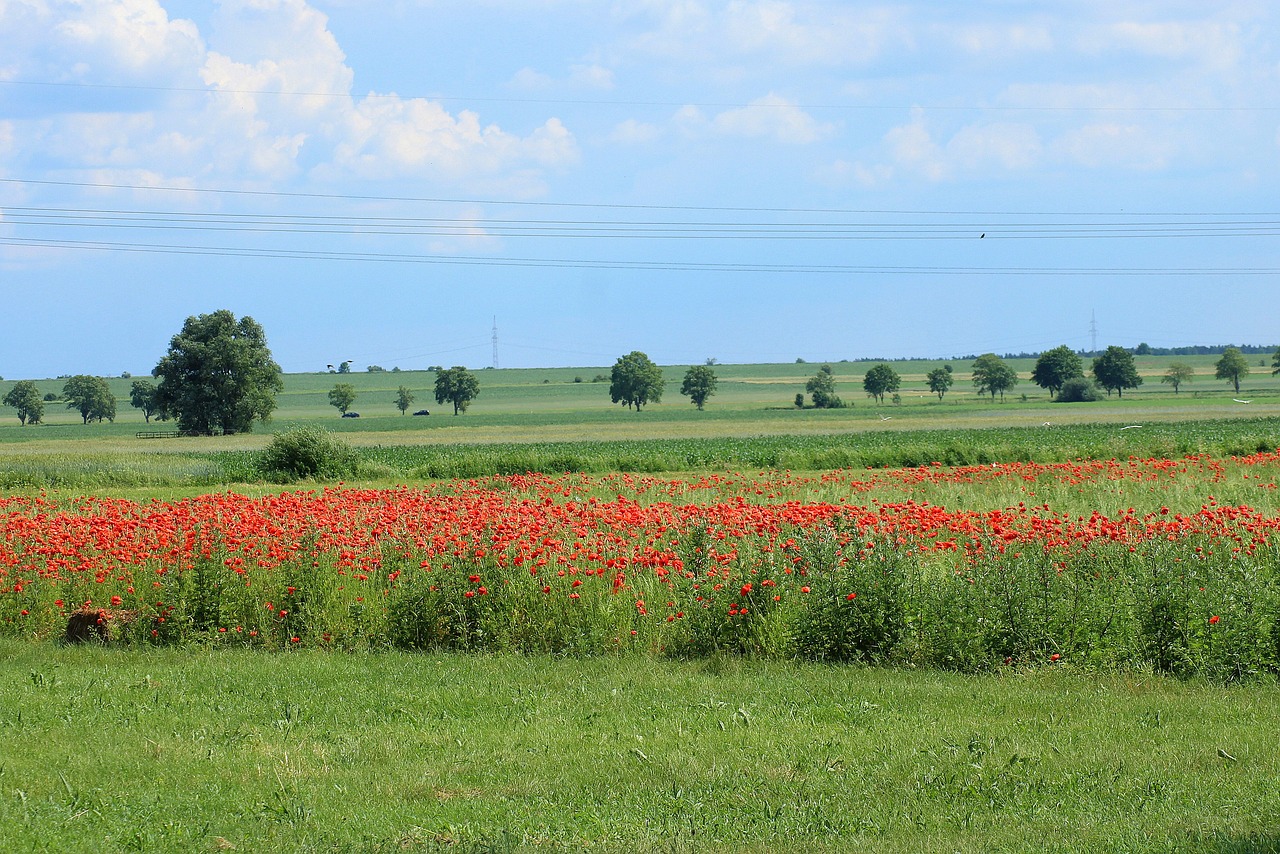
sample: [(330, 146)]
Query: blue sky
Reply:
[(753, 180)]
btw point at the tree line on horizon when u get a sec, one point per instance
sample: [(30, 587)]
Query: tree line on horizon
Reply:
[(218, 377)]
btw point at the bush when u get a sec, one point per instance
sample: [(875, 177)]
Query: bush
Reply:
[(1078, 390), (307, 452)]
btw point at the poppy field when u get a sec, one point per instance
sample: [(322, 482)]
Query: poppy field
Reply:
[(1153, 564)]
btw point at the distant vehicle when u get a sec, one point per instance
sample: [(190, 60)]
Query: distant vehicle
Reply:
[(351, 415), (422, 412)]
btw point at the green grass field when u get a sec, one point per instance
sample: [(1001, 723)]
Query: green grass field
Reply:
[(181, 750)]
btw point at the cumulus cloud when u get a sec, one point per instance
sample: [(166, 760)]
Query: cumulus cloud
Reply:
[(280, 101), (797, 33), (772, 117), (632, 132)]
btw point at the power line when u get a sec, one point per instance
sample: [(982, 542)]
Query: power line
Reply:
[(99, 185), (674, 266), (606, 102)]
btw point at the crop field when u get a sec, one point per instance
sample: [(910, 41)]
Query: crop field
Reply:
[(555, 624)]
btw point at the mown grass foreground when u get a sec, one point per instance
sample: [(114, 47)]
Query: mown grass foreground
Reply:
[(190, 750)]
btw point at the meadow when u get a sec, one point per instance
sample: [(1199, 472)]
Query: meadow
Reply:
[(553, 624)]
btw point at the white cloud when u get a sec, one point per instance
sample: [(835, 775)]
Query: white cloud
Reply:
[(1000, 39), (1205, 42), (1112, 145), (794, 33), (281, 102), (774, 117), (1004, 145), (632, 132), (591, 77), (529, 80), (912, 146)]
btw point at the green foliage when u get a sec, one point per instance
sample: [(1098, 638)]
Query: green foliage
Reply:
[(91, 397), (307, 452), (458, 386), (992, 375), (1177, 374), (1115, 371), (1231, 367), (853, 610), (1275, 362), (25, 397), (635, 380), (218, 375), (1078, 390), (940, 380), (699, 385), (822, 389), (1055, 367), (342, 396), (142, 395), (404, 399), (881, 380)]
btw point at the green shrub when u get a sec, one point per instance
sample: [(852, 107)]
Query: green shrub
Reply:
[(1078, 390), (307, 452)]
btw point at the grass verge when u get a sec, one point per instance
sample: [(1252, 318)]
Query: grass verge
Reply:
[(187, 750)]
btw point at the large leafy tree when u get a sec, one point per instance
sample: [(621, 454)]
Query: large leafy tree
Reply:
[(699, 384), (822, 388), (142, 395), (1231, 367), (91, 397), (940, 379), (1275, 362), (1055, 367), (342, 396), (218, 376), (1115, 371), (458, 386), (25, 397), (635, 381), (992, 375), (1178, 373), (881, 380)]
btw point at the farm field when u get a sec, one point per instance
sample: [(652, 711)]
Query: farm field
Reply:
[(933, 626)]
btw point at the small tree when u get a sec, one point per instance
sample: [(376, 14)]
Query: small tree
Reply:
[(635, 380), (881, 380), (458, 386), (142, 395), (1275, 362), (404, 399), (91, 397), (1178, 373), (822, 388), (991, 375), (25, 397), (1055, 367), (1231, 367), (342, 396), (699, 384), (940, 380), (1114, 369)]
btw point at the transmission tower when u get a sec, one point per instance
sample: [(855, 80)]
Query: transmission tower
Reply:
[(1093, 335), (495, 341)]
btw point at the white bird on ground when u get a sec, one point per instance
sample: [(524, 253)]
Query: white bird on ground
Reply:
[(1238, 400)]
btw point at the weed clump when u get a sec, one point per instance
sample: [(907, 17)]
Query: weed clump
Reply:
[(307, 452)]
